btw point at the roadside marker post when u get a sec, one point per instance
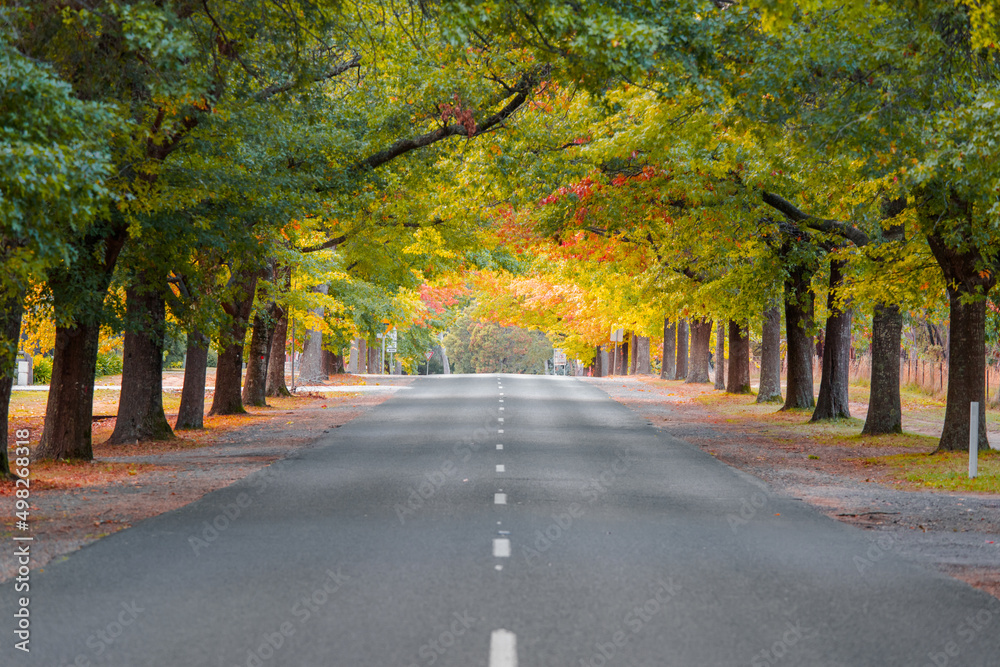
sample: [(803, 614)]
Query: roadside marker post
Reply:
[(973, 440)]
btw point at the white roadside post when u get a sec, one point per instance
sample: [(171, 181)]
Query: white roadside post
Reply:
[(973, 440)]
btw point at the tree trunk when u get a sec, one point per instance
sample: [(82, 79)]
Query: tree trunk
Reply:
[(798, 328), (191, 414), (333, 364), (362, 356), (11, 310), (769, 390), (668, 369), (625, 359), (258, 357), (835, 380), (228, 399), (598, 363), (140, 406), (311, 361), (968, 282), (69, 410), (966, 373), (720, 355), (276, 360), (372, 358), (80, 288), (633, 364), (884, 404), (642, 363), (682, 350), (701, 345), (739, 359)]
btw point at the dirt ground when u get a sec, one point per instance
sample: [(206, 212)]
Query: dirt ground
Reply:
[(830, 466), (74, 504)]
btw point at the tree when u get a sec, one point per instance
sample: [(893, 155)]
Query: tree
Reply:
[(53, 168)]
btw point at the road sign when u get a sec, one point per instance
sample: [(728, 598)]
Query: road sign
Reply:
[(393, 336), (390, 347), (617, 335), (559, 357), (428, 354)]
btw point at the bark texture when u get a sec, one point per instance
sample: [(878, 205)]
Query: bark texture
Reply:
[(701, 345), (69, 410), (599, 362), (11, 311), (362, 356), (311, 361), (625, 358), (642, 363), (682, 350), (798, 329), (739, 359), (967, 281), (832, 402), (191, 414), (140, 407), (885, 414), (333, 364), (769, 390), (668, 369), (373, 352), (720, 355), (276, 360), (258, 358), (228, 398)]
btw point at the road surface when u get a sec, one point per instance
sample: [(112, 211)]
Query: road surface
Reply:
[(498, 521)]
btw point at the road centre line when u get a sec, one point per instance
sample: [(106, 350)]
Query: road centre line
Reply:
[(500, 498), (503, 648), (501, 547)]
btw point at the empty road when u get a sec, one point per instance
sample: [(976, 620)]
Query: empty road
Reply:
[(496, 521)]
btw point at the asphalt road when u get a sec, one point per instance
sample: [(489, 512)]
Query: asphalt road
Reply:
[(410, 538)]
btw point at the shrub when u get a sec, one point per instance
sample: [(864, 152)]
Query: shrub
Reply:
[(42, 370), (108, 363)]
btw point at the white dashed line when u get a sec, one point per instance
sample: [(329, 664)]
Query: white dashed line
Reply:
[(499, 446), (500, 468), (501, 547), (500, 498), (501, 400), (500, 419), (499, 430), (503, 649)]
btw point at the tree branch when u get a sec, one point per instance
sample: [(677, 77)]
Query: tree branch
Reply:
[(793, 213), (523, 88), (278, 88), (331, 243)]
